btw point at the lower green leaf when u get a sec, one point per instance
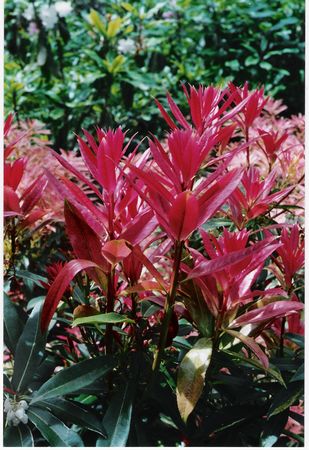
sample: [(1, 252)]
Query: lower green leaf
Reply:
[(191, 376), (286, 398), (74, 378), (19, 436), (117, 420), (71, 412), (52, 429)]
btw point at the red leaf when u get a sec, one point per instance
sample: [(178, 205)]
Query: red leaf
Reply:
[(183, 215), (270, 311), (33, 194), (57, 289), (115, 250), (85, 242), (141, 227), (207, 267), (11, 202)]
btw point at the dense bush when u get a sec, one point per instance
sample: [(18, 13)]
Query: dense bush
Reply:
[(102, 61), (172, 312)]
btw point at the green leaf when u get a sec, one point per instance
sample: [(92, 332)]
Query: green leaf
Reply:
[(71, 412), (29, 351), (251, 61), (102, 318), (265, 65), (52, 429), (33, 278), (19, 436), (286, 398), (272, 372), (74, 378), (272, 429), (191, 376), (117, 420), (298, 375), (13, 323)]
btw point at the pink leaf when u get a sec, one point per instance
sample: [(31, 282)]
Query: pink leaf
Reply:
[(183, 215), (268, 312)]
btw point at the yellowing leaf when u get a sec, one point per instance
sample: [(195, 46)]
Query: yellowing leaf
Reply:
[(113, 27), (117, 63), (95, 19), (191, 376), (127, 6)]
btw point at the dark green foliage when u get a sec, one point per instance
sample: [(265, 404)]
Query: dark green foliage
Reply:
[(86, 78)]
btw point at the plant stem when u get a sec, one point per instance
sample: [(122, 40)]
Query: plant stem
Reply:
[(168, 307), (110, 308), (248, 149)]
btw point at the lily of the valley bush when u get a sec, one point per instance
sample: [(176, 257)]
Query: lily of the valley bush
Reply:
[(187, 266)]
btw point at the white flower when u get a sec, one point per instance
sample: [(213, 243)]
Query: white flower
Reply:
[(7, 405), (63, 8), (126, 46), (15, 412), (23, 404), (29, 12), (48, 16)]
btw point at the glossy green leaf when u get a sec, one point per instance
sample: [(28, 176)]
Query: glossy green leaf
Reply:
[(29, 351), (19, 436), (52, 429), (286, 398), (117, 420), (74, 378), (299, 374), (13, 323), (102, 318), (72, 412), (191, 376)]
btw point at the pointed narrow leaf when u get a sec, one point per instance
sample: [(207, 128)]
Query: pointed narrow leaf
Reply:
[(29, 351), (53, 429), (13, 322), (221, 262), (19, 436), (191, 376), (183, 215), (57, 289), (286, 398), (102, 318), (250, 342), (117, 420), (271, 311), (85, 242), (74, 378), (72, 412)]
